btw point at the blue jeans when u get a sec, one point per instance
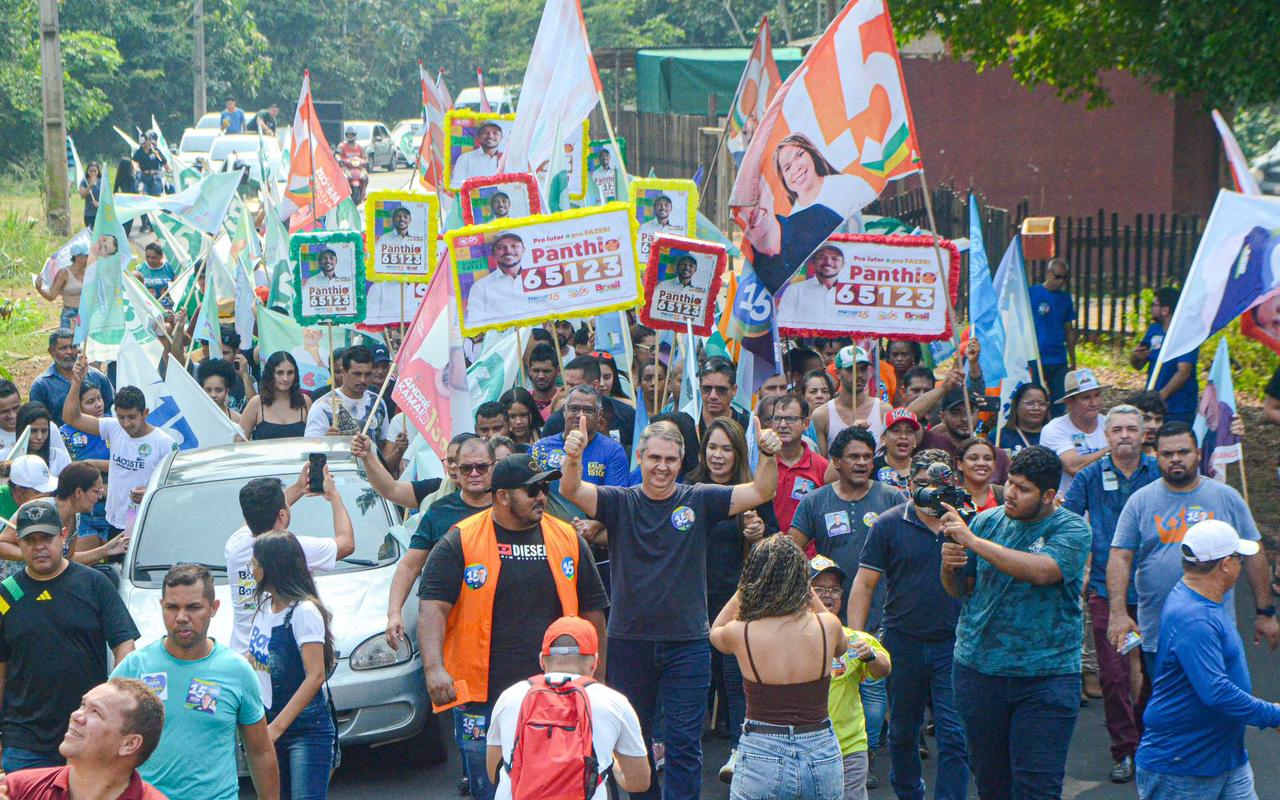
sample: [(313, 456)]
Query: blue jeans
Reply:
[(1019, 730), (305, 754), (735, 697), (470, 727), (16, 758), (1234, 785), (682, 670), (805, 766), (922, 670), (875, 707)]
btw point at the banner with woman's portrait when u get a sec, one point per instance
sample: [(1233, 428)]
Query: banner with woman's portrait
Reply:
[(604, 167), (400, 231), (328, 277), (509, 196), (681, 282), (474, 144), (577, 263), (661, 206), (864, 285)]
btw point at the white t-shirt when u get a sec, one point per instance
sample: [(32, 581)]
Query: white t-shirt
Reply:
[(7, 440), (321, 554), (307, 625), (132, 462), (351, 415), (614, 729), (1062, 436)]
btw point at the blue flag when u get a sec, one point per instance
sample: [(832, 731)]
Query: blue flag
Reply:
[(984, 311)]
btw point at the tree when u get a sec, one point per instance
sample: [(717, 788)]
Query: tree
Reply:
[(1225, 53)]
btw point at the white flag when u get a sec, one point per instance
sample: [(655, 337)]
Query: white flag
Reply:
[(1015, 314)]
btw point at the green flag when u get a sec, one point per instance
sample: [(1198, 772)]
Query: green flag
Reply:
[(275, 258), (102, 301)]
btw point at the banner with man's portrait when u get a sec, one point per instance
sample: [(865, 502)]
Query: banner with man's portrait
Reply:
[(604, 167), (574, 184), (864, 285), (328, 277), (496, 197), (665, 206), (474, 144), (681, 282), (400, 231), (577, 263)]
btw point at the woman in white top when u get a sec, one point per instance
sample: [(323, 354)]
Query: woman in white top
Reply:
[(41, 443)]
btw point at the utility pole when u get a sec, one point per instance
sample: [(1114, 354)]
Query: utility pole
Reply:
[(199, 99), (57, 204)]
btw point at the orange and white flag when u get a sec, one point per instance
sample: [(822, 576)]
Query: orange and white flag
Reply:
[(316, 183), (434, 105), (759, 83), (837, 131)]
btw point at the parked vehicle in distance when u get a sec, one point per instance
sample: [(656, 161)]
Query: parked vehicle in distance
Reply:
[(243, 146), (414, 129), (211, 119), (502, 99), (375, 139), (192, 507), (196, 144)]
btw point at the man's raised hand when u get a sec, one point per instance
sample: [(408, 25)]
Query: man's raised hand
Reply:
[(576, 441), (768, 442)]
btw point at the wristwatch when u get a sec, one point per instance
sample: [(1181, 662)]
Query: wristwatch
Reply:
[(1269, 611)]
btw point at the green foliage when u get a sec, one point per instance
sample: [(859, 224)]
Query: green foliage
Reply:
[(1252, 362), (18, 317), (1257, 128), (1186, 47), (24, 245)]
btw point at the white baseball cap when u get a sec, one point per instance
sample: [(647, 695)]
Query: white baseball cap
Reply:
[(30, 472), (1212, 539)]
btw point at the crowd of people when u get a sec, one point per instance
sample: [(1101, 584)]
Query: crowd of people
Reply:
[(910, 557)]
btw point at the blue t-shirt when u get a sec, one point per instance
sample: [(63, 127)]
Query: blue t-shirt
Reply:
[(204, 702), (1052, 312), (604, 462), (156, 280), (1201, 698), (1153, 523), (1100, 491), (909, 557), (1011, 628), (233, 119), (81, 445), (1182, 401)]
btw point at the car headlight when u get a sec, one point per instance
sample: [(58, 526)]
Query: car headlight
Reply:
[(375, 653)]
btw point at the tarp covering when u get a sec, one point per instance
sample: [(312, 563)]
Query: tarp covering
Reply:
[(679, 81)]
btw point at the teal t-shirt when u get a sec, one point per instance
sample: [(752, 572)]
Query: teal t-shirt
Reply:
[(1011, 628), (204, 701)]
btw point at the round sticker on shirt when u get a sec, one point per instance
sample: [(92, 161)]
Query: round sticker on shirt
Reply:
[(554, 459), (683, 518), (144, 450), (870, 518), (474, 575), (566, 567)]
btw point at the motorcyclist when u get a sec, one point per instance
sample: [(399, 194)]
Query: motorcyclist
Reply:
[(353, 160), (349, 149)]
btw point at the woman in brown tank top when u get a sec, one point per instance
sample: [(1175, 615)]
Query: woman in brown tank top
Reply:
[(784, 640)]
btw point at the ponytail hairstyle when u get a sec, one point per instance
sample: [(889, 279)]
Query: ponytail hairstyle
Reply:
[(775, 580)]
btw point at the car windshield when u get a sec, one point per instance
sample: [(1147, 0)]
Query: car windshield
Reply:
[(213, 119), (198, 142), (224, 147), (173, 531), (364, 130)]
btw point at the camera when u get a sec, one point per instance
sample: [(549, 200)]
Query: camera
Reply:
[(931, 498)]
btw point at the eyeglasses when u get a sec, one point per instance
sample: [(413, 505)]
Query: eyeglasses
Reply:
[(578, 411), (535, 489), (1062, 276), (827, 591), (709, 389), (1034, 404), (478, 469), (786, 419)]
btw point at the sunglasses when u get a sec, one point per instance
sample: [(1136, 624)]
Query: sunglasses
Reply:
[(479, 468), (535, 489)]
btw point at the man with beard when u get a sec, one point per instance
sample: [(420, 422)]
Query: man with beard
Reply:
[(397, 251), (328, 263), (499, 205), (815, 295), (1020, 572), (1150, 531), (543, 368), (351, 405), (483, 160), (853, 367), (491, 586), (499, 293), (954, 427), (53, 385)]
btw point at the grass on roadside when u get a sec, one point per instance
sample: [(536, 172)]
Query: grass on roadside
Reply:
[(25, 243)]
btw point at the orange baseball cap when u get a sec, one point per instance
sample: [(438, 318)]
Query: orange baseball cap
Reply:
[(583, 632)]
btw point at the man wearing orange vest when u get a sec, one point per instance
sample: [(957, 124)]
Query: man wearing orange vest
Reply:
[(490, 588)]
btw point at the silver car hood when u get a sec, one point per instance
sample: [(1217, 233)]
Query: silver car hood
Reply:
[(357, 599)]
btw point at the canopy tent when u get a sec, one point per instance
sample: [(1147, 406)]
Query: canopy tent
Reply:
[(680, 80)]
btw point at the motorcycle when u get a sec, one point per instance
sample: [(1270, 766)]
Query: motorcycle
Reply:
[(355, 169)]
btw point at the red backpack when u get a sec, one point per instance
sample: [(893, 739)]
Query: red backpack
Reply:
[(553, 756)]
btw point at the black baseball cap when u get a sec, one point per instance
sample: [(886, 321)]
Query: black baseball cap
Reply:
[(38, 516), (952, 399), (380, 355), (520, 469)]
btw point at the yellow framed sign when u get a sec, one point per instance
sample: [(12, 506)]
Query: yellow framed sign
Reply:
[(660, 205), (400, 233), (474, 144)]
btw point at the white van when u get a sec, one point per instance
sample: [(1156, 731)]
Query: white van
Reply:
[(502, 99)]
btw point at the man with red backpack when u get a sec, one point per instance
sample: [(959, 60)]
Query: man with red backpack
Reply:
[(557, 735)]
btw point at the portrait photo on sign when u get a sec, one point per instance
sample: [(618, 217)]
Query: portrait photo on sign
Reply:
[(604, 165), (869, 285), (329, 284), (498, 197), (682, 279), (400, 231), (662, 206), (474, 144), (555, 266)]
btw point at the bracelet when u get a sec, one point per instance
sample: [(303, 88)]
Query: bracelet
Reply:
[(1269, 611)]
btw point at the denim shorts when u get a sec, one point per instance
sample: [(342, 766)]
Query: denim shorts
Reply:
[(1236, 784), (805, 766)]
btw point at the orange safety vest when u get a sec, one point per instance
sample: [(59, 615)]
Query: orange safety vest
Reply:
[(469, 629)]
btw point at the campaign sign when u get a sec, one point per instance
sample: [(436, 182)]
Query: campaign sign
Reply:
[(495, 197), (400, 228), (474, 144), (662, 206), (864, 285), (604, 163), (576, 263), (681, 282), (326, 284), (575, 160)]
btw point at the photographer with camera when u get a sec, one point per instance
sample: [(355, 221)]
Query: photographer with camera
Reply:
[(1020, 571), (904, 550)]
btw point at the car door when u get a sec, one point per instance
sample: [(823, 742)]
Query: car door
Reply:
[(382, 146)]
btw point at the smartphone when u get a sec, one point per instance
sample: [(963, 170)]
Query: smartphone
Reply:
[(1131, 640), (315, 483)]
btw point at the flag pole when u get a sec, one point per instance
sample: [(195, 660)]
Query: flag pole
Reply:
[(333, 386), (715, 159), (946, 294), (1244, 476), (377, 401), (520, 358), (401, 316)]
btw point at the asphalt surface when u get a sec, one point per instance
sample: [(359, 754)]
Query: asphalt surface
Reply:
[(408, 771)]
